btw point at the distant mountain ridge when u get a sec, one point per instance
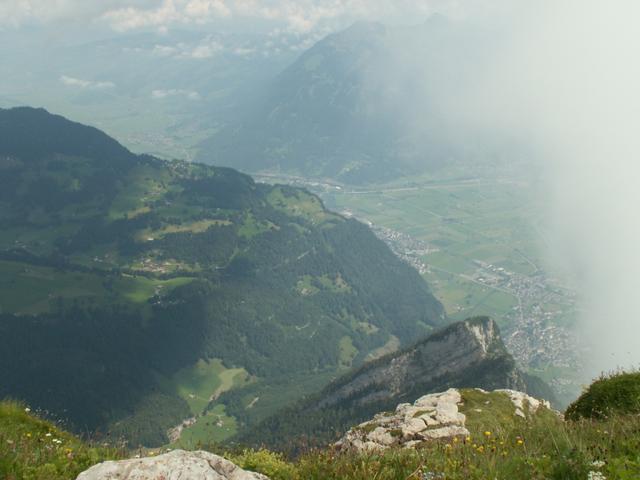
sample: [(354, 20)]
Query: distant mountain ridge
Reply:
[(467, 354), (354, 107), (310, 121)]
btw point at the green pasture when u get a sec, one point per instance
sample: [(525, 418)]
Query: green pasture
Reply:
[(347, 351), (32, 289), (300, 204), (461, 222), (214, 427), (139, 289), (203, 382)]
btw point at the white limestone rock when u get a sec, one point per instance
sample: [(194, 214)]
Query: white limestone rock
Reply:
[(431, 417), (525, 403), (175, 465), (445, 432)]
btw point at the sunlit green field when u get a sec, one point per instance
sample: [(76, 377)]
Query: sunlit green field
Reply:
[(497, 222), (205, 381), (199, 385), (214, 427), (464, 231), (32, 289)]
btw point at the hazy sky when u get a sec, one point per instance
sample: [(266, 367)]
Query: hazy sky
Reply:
[(293, 15)]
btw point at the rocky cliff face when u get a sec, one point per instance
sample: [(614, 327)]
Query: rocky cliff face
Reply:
[(447, 357), (467, 354)]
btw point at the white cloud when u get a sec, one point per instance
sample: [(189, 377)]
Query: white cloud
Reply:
[(161, 94), (80, 83), (206, 48), (244, 52), (168, 12), (164, 51), (205, 8), (300, 16), (15, 13)]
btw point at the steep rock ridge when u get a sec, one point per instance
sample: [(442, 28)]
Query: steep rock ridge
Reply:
[(467, 354), (442, 416), (176, 464), (447, 355)]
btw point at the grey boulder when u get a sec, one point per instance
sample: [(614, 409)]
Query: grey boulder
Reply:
[(175, 465)]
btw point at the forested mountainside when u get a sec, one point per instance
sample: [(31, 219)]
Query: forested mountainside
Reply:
[(119, 273), (469, 354)]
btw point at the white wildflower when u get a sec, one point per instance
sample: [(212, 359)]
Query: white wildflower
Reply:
[(596, 476)]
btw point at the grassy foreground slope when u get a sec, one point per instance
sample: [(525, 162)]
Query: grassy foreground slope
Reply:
[(501, 446), (34, 449), (119, 273)]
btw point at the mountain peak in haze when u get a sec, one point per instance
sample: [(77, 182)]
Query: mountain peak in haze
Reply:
[(357, 107)]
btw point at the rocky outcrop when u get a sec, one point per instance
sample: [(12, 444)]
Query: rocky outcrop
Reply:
[(524, 402), (175, 465), (441, 416), (434, 416)]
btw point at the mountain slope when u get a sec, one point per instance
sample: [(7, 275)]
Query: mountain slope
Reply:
[(361, 105), (463, 355), (310, 121), (133, 292)]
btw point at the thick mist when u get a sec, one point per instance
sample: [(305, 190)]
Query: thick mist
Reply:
[(558, 82), (576, 87)]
